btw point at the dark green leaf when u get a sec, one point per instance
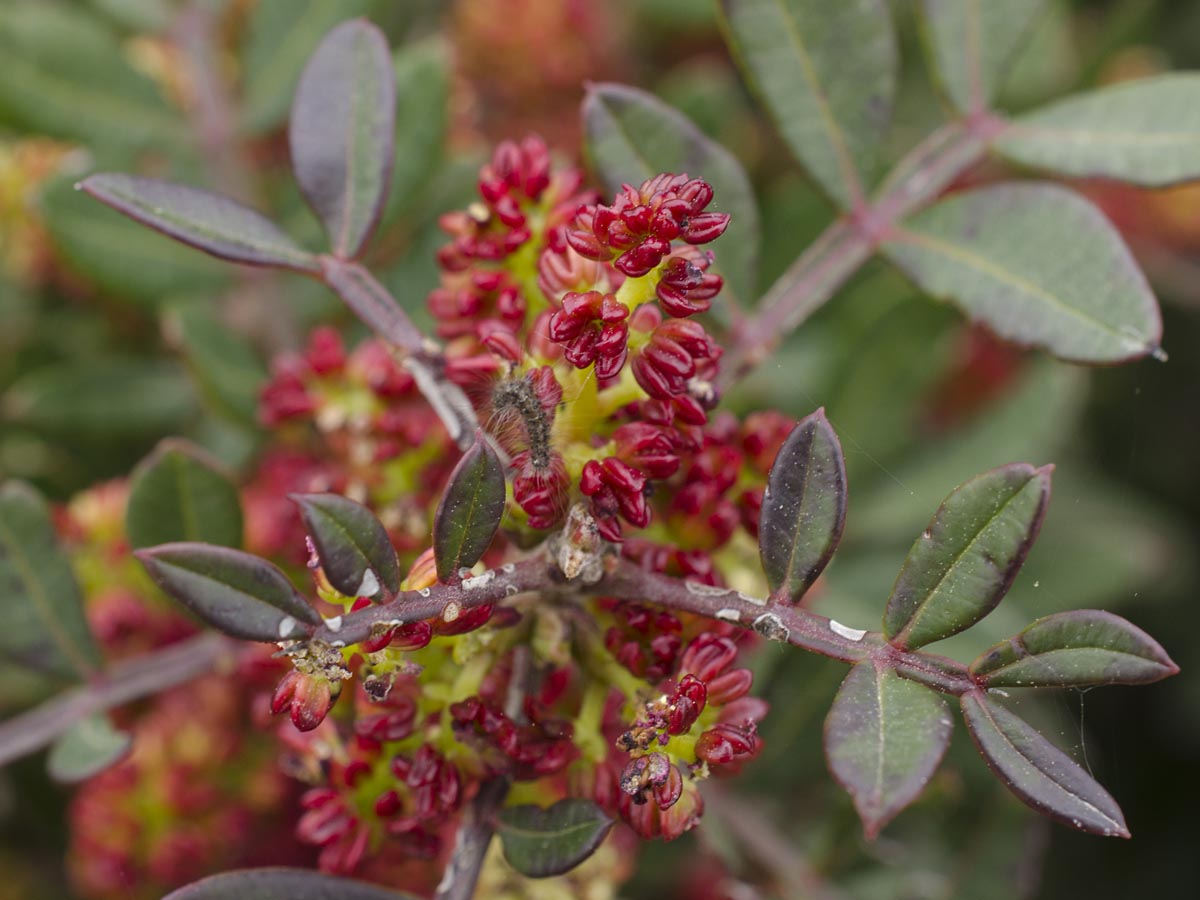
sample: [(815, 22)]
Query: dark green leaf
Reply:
[(103, 400), (631, 136), (542, 842), (884, 739), (965, 561), (226, 368), (422, 97), (1075, 649), (803, 508), (1145, 132), (1038, 265), (354, 548), (44, 626), (281, 884), (66, 75), (1040, 774), (470, 510), (235, 592), (827, 74), (281, 35), (341, 132), (970, 44), (124, 258), (88, 748), (209, 222), (179, 494)]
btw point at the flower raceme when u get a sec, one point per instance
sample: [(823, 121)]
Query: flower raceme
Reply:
[(571, 325)]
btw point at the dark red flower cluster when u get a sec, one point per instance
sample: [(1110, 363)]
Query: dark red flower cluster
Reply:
[(636, 231), (525, 751)]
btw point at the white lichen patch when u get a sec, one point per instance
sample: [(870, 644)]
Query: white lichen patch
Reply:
[(850, 634), (757, 601), (370, 584), (479, 581), (452, 611), (728, 614), (704, 590), (334, 624), (425, 592), (287, 626)]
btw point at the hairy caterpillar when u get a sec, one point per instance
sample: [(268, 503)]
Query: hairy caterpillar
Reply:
[(518, 397)]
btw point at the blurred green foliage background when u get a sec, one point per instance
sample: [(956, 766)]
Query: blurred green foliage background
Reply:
[(112, 337)]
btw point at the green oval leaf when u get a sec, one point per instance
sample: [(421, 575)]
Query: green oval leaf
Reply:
[(1038, 265), (67, 75), (630, 136), (470, 510), (1037, 772), (804, 508), (281, 884), (542, 842), (1145, 132), (102, 400), (44, 626), (178, 493), (966, 560), (1075, 649), (826, 73), (88, 748), (210, 222), (970, 44), (884, 738), (341, 132), (237, 593), (355, 551)]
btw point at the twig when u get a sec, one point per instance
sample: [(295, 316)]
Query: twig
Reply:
[(471, 844), (850, 241), (140, 677)]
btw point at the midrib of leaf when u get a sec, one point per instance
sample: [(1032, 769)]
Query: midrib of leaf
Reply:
[(1033, 763), (795, 530), (1045, 656), (159, 212), (974, 54), (1101, 136), (187, 510), (974, 260), (923, 606), (881, 741), (230, 588), (462, 531), (357, 140), (566, 831), (836, 140), (42, 603)]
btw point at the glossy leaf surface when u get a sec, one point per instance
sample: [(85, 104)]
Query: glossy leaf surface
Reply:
[(179, 494), (44, 626), (89, 747), (281, 884), (1040, 774), (355, 551), (1038, 265), (826, 73), (804, 507), (470, 510), (966, 559), (970, 44), (1075, 649), (341, 131), (542, 842), (884, 738), (235, 592), (209, 222), (1146, 132), (631, 136)]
